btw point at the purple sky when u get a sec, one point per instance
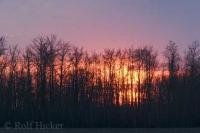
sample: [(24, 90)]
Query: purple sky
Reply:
[(99, 24)]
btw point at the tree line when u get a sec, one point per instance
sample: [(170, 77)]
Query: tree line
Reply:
[(52, 80)]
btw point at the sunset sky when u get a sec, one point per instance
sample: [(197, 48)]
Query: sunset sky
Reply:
[(98, 24)]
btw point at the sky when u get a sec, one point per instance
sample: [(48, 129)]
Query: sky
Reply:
[(99, 24)]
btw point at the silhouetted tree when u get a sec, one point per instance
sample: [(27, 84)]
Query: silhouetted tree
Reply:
[(131, 70), (109, 57), (193, 60), (40, 51), (173, 58), (27, 91), (150, 65), (121, 57), (13, 76), (138, 59), (3, 65), (64, 66), (75, 60), (51, 54), (53, 81), (192, 91)]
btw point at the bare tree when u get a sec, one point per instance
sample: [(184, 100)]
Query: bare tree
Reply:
[(109, 58), (172, 59), (52, 43), (3, 60), (63, 58), (121, 87), (3, 65), (192, 64), (150, 64), (75, 60), (40, 52), (131, 69), (13, 74), (138, 59), (2, 57), (52, 80), (27, 93), (2, 45), (193, 59), (96, 91)]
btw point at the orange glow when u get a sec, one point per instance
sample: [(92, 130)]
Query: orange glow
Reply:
[(126, 79), (132, 94)]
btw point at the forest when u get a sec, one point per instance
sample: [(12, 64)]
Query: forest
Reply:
[(52, 80)]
